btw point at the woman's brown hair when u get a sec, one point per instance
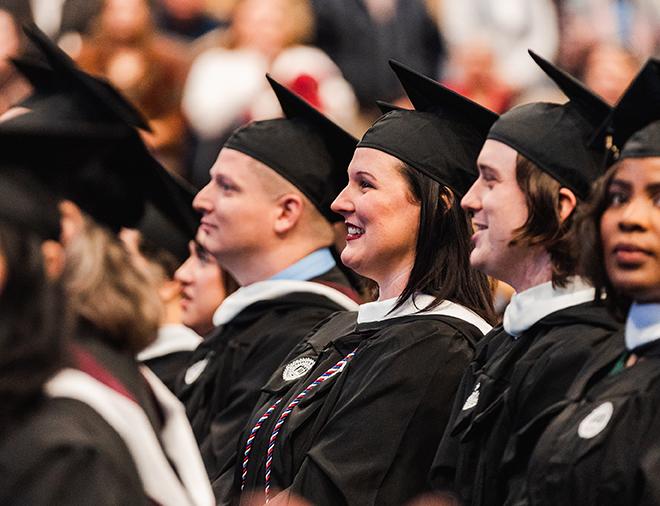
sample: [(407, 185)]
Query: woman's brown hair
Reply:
[(544, 226), (442, 253), (108, 291), (588, 242)]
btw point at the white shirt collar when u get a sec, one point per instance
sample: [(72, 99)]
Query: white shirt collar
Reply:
[(272, 289), (380, 310), (171, 338), (642, 325), (531, 305)]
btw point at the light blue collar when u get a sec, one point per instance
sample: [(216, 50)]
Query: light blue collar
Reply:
[(309, 267), (642, 325)]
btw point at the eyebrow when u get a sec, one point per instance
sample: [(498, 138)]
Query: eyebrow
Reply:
[(484, 167), (620, 182), (365, 173)]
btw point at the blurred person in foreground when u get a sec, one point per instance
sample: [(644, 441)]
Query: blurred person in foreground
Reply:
[(82, 127), (13, 86), (266, 218)]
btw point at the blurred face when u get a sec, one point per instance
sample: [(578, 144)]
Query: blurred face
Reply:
[(630, 229), (238, 213), (125, 19), (261, 25), (381, 217), (498, 209), (9, 42), (202, 289)]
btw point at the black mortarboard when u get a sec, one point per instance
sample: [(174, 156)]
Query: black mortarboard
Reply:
[(80, 137), (441, 138), (631, 122), (305, 148), (27, 205), (556, 137)]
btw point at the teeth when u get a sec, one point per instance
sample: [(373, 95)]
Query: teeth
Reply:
[(355, 230)]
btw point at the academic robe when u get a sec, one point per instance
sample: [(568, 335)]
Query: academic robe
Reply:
[(64, 453), (507, 396), (602, 449), (366, 436), (225, 374)]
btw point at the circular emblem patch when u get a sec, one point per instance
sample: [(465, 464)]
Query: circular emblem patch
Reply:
[(596, 421), (194, 371), (298, 368), (473, 399)]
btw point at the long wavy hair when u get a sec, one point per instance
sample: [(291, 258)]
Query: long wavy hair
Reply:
[(442, 253), (108, 291), (34, 324)]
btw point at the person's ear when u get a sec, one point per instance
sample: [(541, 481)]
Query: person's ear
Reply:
[(290, 209), (567, 203), (72, 220)]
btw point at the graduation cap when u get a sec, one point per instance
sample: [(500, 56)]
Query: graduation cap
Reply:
[(631, 123), (80, 136), (441, 138), (557, 138), (27, 205), (304, 147)]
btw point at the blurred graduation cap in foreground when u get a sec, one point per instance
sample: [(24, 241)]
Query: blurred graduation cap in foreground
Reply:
[(80, 137)]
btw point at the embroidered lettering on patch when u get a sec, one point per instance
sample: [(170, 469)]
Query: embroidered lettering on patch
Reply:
[(473, 399), (298, 368), (594, 423), (194, 371)]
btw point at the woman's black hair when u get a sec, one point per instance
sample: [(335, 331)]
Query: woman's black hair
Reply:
[(442, 253), (32, 324)]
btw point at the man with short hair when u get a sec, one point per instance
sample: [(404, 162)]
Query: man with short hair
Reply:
[(535, 169), (266, 218)]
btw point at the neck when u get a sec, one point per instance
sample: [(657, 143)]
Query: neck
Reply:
[(532, 271), (393, 285), (262, 265)]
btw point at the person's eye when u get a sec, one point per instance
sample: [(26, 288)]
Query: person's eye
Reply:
[(616, 198), (364, 184)]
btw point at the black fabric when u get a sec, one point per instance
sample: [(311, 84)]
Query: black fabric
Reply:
[(638, 106), (168, 367), (558, 138), (620, 464), (367, 435), (520, 381), (242, 354), (64, 453), (441, 138), (305, 148), (27, 205), (643, 144)]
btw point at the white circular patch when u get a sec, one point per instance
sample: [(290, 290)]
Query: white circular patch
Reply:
[(298, 368), (473, 399), (594, 423), (194, 371)]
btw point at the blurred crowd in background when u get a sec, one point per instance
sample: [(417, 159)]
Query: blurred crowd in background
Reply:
[(196, 67)]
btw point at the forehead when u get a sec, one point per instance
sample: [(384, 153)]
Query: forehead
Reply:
[(369, 158), (639, 170), (231, 162), (498, 156)]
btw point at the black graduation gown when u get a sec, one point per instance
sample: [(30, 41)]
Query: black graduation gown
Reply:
[(168, 367), (64, 453), (242, 355), (507, 396), (607, 458), (367, 435)]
